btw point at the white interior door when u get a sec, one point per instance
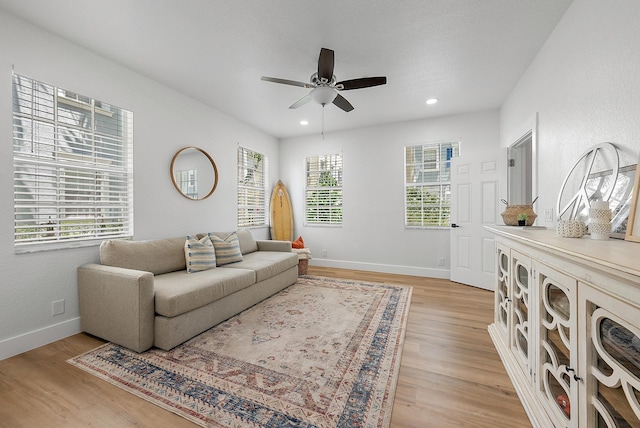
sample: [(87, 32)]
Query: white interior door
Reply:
[(475, 188)]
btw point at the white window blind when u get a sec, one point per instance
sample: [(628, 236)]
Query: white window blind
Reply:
[(428, 184), (73, 167), (252, 190), (323, 192)]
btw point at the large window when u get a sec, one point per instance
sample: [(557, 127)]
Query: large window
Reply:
[(323, 192), (252, 190), (73, 167), (428, 184)]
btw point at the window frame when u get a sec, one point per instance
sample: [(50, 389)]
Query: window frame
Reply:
[(72, 168), (244, 190), (333, 171), (440, 186)]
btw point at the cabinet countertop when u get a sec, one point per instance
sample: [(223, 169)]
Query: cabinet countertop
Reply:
[(616, 254)]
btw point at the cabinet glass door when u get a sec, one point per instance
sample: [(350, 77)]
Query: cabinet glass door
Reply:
[(520, 300), (557, 362), (502, 291), (615, 361)]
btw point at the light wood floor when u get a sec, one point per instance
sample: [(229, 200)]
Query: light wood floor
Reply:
[(450, 376)]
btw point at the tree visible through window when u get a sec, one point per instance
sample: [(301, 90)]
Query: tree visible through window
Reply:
[(323, 193), (252, 181), (73, 167), (428, 184)]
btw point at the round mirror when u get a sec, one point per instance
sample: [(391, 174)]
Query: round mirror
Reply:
[(194, 173)]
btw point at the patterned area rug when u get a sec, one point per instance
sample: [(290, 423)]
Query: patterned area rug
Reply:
[(321, 353)]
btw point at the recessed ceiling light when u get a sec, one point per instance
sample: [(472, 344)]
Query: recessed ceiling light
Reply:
[(304, 122), (432, 101)]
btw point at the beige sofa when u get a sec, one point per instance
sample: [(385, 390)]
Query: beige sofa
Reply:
[(140, 295)]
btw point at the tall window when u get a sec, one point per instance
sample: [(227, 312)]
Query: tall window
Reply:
[(73, 167), (428, 184), (252, 188), (323, 193)]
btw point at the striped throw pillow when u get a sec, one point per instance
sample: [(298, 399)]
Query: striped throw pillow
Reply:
[(227, 250), (199, 254)]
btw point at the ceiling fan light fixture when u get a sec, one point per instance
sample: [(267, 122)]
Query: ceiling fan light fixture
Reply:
[(432, 101), (324, 95)]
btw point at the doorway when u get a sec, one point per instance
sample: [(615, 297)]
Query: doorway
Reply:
[(520, 171)]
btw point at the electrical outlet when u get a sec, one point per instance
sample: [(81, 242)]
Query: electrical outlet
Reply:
[(548, 214), (324, 252), (57, 307), (440, 261)]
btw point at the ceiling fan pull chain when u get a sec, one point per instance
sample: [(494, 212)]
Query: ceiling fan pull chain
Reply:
[(323, 121)]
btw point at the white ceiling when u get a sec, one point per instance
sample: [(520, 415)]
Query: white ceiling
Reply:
[(467, 53)]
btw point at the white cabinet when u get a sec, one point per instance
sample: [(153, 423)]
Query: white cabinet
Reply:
[(503, 292), (557, 340), (521, 285), (513, 306), (612, 361), (567, 327)]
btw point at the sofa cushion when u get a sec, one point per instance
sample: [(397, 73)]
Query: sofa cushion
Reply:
[(266, 263), (227, 249), (199, 254), (157, 256), (179, 292)]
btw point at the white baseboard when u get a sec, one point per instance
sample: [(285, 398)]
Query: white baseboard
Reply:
[(34, 339), (376, 267)]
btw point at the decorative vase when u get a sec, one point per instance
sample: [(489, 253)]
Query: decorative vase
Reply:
[(600, 220)]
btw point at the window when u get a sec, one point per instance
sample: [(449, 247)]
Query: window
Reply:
[(252, 190), (428, 184), (73, 168), (323, 193)]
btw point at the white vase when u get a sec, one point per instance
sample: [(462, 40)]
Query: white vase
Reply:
[(600, 220)]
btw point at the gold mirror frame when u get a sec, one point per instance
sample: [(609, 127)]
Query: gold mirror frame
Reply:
[(173, 176)]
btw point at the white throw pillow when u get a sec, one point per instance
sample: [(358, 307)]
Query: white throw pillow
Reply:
[(199, 254)]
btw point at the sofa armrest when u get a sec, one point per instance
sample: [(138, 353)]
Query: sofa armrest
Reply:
[(267, 245), (117, 305)]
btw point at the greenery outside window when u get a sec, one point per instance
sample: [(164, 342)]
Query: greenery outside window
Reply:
[(73, 168), (252, 188), (323, 191), (428, 184)]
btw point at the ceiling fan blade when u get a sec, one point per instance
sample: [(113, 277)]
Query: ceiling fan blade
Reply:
[(364, 82), (286, 82), (325, 64), (342, 102), (301, 101)]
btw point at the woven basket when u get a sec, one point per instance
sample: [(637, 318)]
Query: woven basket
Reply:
[(303, 265), (510, 214)]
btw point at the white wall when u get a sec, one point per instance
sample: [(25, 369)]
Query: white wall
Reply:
[(373, 236), (585, 85), (164, 121)]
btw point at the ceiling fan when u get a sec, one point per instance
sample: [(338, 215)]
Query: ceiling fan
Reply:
[(324, 85)]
